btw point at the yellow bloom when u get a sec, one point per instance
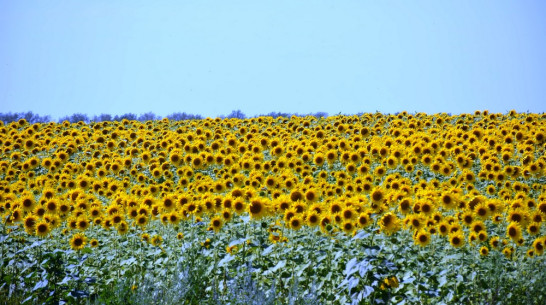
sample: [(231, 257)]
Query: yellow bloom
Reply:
[(157, 240), (78, 241), (42, 228), (422, 238), (389, 223), (216, 223)]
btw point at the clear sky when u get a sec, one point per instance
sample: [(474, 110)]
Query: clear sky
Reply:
[(210, 57)]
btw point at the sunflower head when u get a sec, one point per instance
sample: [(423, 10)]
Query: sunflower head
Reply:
[(422, 238), (257, 208), (42, 228), (296, 222), (157, 240), (216, 223), (389, 223), (456, 240), (94, 243), (78, 241)]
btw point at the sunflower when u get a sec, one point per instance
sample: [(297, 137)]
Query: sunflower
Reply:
[(107, 224), (17, 215), (482, 210), (331, 156), (239, 205), (517, 215), (206, 243), (122, 228), (30, 224), (507, 252), (363, 220), (145, 237), (42, 228), (348, 213), (389, 223), (497, 218), (392, 282), (494, 242), (348, 227), (456, 239), (422, 238), (538, 245), (94, 243), (319, 159), (311, 196), (448, 201), (313, 219), (82, 223), (416, 221), (467, 218), (533, 228), (227, 215), (427, 208), (78, 241), (477, 226), (335, 207), (377, 195), (326, 223), (366, 186), (296, 195), (513, 231), (216, 223), (482, 236), (472, 237), (404, 206), (157, 240), (296, 222), (484, 251), (53, 220), (174, 218), (257, 208), (168, 203), (48, 193), (537, 217), (443, 228), (28, 203), (141, 220)]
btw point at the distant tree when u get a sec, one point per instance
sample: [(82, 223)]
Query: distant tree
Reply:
[(75, 118), (149, 116), (103, 117), (28, 116), (35, 118), (236, 114), (182, 116), (276, 114), (320, 114), (79, 117), (127, 116), (316, 114), (9, 117)]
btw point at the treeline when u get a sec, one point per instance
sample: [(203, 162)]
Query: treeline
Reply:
[(149, 116)]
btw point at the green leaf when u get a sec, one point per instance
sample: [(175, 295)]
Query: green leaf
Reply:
[(442, 281), (228, 258), (41, 284), (351, 266)]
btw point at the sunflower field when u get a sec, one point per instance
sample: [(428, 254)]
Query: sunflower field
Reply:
[(363, 209)]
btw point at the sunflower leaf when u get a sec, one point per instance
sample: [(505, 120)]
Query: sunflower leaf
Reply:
[(41, 284)]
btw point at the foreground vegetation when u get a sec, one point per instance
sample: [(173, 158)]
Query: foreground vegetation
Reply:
[(368, 209)]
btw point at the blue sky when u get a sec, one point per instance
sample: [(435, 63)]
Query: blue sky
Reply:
[(211, 57)]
